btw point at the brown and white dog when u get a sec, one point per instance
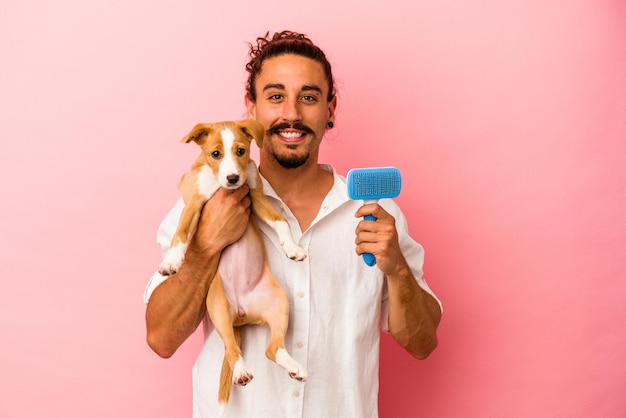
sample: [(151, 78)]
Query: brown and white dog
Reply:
[(243, 291)]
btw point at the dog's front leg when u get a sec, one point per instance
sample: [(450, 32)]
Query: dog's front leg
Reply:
[(196, 187), (180, 241), (290, 246), (264, 210)]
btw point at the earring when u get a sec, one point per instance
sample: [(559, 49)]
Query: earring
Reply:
[(330, 124)]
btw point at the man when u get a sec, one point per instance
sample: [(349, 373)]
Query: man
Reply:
[(337, 303)]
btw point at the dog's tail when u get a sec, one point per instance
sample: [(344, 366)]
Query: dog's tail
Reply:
[(226, 378)]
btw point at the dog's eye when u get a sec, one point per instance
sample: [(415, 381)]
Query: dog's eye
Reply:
[(241, 152), (216, 154)]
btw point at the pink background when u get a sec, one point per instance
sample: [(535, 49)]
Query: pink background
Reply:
[(506, 119)]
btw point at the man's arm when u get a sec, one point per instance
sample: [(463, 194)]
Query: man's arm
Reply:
[(413, 313), (178, 305)]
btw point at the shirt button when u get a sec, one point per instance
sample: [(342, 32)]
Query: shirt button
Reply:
[(299, 344), (301, 295), (296, 393)]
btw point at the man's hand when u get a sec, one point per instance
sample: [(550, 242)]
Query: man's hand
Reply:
[(224, 219), (379, 238)]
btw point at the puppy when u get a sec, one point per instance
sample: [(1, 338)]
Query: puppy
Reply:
[(243, 291)]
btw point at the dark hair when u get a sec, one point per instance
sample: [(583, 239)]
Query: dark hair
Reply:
[(281, 43)]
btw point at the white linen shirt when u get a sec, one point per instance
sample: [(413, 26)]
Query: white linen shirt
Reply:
[(337, 304)]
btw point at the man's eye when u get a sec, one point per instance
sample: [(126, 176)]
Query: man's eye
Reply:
[(216, 154), (309, 98), (276, 97)]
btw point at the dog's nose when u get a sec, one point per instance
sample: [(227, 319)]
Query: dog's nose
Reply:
[(233, 178)]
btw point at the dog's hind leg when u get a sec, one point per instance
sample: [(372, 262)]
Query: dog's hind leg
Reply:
[(222, 316), (226, 379), (276, 316)]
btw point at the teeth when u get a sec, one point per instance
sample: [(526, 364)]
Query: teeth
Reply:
[(291, 135)]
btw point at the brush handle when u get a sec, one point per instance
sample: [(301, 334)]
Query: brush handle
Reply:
[(369, 258)]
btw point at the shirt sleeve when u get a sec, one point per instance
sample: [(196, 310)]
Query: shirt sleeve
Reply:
[(164, 239), (413, 253)]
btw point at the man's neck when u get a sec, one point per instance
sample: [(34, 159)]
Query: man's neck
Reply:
[(302, 189), (289, 181)]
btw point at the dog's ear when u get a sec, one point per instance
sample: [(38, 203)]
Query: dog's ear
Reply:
[(253, 129), (198, 133)]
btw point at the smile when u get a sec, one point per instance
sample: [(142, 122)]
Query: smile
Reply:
[(291, 135)]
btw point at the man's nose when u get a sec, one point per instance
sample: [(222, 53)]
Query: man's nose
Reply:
[(291, 110)]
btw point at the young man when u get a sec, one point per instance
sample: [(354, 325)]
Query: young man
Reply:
[(337, 302)]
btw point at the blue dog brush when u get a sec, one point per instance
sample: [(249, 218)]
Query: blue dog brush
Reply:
[(371, 184)]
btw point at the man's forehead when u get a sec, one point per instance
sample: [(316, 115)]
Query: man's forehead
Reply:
[(289, 71)]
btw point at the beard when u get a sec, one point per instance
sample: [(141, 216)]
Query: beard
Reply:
[(290, 160)]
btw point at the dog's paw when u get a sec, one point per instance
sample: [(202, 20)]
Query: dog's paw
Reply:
[(294, 252), (241, 376), (300, 375), (289, 245), (294, 369), (173, 260), (167, 269)]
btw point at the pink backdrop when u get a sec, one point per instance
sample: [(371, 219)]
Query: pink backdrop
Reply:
[(507, 120)]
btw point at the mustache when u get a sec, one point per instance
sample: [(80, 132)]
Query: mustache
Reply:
[(285, 125)]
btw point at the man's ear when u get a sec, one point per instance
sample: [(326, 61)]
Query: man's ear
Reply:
[(332, 106), (253, 129), (250, 107), (198, 133)]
